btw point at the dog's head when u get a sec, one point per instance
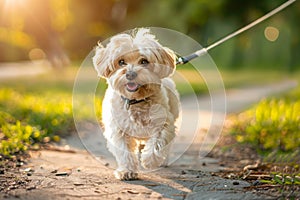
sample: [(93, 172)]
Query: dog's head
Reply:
[(134, 64)]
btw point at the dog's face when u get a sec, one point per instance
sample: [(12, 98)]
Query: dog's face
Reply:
[(134, 65)]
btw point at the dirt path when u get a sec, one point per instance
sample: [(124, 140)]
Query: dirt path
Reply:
[(77, 174), (21, 69)]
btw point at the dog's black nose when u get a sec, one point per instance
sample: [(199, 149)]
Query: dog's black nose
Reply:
[(130, 75)]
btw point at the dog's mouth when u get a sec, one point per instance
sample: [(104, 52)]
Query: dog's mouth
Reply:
[(132, 86)]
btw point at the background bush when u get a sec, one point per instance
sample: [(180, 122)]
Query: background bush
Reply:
[(26, 119), (273, 124)]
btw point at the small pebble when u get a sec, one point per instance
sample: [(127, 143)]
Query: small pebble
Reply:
[(62, 174), (29, 174), (235, 183), (28, 170), (213, 174), (255, 183), (78, 184), (31, 188)]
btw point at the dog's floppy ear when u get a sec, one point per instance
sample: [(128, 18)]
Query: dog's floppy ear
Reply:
[(168, 59), (100, 61)]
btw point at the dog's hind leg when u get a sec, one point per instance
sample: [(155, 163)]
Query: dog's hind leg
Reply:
[(156, 149)]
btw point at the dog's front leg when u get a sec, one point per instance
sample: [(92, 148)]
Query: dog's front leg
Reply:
[(122, 147), (156, 149)]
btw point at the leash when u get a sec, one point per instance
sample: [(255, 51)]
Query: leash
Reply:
[(185, 59)]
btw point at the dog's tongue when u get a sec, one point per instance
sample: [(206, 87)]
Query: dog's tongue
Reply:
[(131, 86)]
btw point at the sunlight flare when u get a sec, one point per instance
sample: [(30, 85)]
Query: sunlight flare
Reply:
[(13, 3)]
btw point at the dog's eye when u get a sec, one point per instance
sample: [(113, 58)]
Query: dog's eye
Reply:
[(144, 61), (122, 62)]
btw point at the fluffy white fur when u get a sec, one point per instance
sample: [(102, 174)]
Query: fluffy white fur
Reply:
[(137, 67)]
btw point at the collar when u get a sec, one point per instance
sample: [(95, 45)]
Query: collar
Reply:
[(129, 102)]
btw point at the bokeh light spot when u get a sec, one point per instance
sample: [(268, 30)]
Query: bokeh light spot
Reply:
[(36, 54), (271, 33)]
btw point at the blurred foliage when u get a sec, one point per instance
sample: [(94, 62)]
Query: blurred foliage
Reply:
[(273, 125), (27, 119), (37, 111), (207, 21), (17, 137), (74, 27)]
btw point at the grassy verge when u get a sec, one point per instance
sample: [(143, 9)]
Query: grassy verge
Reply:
[(262, 145), (272, 126), (36, 110)]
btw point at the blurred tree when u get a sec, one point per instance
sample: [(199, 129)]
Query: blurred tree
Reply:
[(33, 18), (95, 21), (45, 25), (13, 41), (207, 21), (248, 11), (293, 22), (60, 26)]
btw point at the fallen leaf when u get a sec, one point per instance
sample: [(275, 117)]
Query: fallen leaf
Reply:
[(62, 174)]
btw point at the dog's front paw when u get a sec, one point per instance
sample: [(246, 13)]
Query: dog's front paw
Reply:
[(125, 175)]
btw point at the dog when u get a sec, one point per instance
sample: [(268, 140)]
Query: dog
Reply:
[(141, 104)]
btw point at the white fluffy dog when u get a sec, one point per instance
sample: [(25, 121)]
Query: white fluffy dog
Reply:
[(141, 103)]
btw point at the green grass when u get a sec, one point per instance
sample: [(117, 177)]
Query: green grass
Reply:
[(36, 110), (283, 179), (272, 125)]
